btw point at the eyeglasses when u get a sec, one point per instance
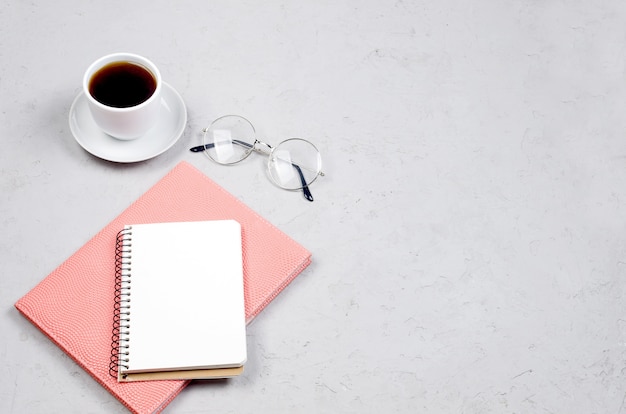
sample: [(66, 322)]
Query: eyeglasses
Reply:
[(292, 165)]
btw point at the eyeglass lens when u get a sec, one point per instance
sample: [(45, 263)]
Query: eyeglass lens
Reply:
[(294, 163), (229, 139)]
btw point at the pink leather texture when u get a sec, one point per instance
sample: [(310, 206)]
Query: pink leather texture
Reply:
[(73, 305)]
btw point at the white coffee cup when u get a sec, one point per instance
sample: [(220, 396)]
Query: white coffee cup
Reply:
[(123, 120)]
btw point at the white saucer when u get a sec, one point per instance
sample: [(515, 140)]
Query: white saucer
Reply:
[(168, 129)]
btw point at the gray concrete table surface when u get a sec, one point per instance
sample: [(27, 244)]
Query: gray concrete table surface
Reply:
[(468, 239)]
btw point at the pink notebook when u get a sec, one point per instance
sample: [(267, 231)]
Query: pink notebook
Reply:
[(73, 305)]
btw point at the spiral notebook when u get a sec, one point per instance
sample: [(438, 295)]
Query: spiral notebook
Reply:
[(179, 306), (73, 304)]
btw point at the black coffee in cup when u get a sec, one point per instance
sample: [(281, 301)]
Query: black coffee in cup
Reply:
[(122, 84)]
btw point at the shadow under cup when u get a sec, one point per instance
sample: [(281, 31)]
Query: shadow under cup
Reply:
[(124, 92)]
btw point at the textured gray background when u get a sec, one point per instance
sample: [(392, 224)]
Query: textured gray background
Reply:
[(468, 239)]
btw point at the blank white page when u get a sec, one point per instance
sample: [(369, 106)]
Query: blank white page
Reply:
[(187, 300)]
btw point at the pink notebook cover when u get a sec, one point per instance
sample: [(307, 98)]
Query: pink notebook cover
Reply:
[(73, 305)]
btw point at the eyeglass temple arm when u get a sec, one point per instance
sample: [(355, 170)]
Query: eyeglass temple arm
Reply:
[(305, 188), (204, 147)]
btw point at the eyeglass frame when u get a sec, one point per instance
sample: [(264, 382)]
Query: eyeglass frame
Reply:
[(256, 147)]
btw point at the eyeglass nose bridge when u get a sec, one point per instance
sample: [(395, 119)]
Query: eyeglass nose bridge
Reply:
[(262, 147)]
